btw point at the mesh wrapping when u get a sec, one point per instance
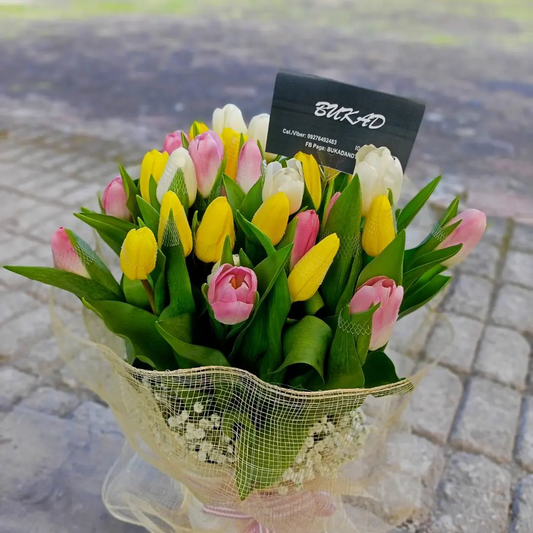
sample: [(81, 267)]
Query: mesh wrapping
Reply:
[(217, 449)]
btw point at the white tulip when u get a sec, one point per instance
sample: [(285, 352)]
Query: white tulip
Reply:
[(230, 116), (178, 159), (289, 180), (378, 172), (258, 128)]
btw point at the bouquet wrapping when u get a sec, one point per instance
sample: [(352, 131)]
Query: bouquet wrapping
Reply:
[(252, 319)]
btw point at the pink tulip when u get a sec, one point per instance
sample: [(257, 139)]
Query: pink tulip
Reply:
[(249, 165), (305, 235), (207, 152), (65, 257), (231, 293), (384, 291), (332, 201), (114, 200), (468, 233), (173, 141)]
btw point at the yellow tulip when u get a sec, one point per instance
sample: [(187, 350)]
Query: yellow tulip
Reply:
[(153, 164), (379, 231), (200, 127), (272, 217), (166, 235), (310, 271), (311, 177), (217, 223), (138, 254), (232, 144)]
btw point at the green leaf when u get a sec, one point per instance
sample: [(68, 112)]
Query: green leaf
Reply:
[(244, 260), (139, 327), (349, 349), (388, 263), (344, 220), (78, 285), (201, 355), (135, 293), (234, 194), (307, 343), (314, 304), (255, 235), (112, 230), (252, 201), (427, 261), (227, 252), (150, 216), (379, 370), (184, 141), (409, 212), (153, 194), (96, 268), (423, 294), (131, 192)]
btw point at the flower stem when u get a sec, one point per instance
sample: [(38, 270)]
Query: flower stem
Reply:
[(150, 294)]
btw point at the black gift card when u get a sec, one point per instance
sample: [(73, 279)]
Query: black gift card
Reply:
[(332, 120)]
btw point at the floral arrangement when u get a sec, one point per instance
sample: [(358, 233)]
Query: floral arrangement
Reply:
[(231, 256), (271, 276)]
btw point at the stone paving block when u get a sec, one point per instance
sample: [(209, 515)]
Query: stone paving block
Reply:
[(40, 358), (524, 444), (482, 261), (496, 231), (519, 269), (14, 246), (488, 420), (473, 497), (504, 356), (470, 296), (51, 401), (454, 340), (83, 195), (13, 304), (514, 308), (33, 218), (14, 205), (20, 333), (97, 416), (432, 408), (54, 487), (14, 385), (522, 509), (410, 336), (522, 238)]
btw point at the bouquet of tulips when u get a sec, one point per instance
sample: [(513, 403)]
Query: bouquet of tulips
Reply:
[(279, 267)]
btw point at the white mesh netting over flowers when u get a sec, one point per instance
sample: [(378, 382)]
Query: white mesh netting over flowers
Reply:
[(217, 449)]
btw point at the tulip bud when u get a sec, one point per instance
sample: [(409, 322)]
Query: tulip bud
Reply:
[(200, 128), (153, 164), (114, 200), (231, 293), (179, 162), (232, 143), (173, 141), (379, 231), (384, 291), (258, 128), (334, 198), (288, 180), (138, 254), (180, 230), (207, 152), (468, 233), (309, 273), (307, 227), (217, 223), (65, 256), (272, 217), (378, 172), (249, 166), (229, 116), (311, 174)]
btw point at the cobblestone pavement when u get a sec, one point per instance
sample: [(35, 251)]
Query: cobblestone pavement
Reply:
[(106, 102)]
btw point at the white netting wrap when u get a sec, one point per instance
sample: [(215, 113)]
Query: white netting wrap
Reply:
[(217, 449)]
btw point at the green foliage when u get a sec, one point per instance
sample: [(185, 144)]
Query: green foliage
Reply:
[(409, 212)]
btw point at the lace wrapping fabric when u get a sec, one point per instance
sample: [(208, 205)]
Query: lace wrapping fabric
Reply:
[(218, 438)]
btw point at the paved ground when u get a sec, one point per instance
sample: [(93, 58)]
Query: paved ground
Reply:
[(80, 96)]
